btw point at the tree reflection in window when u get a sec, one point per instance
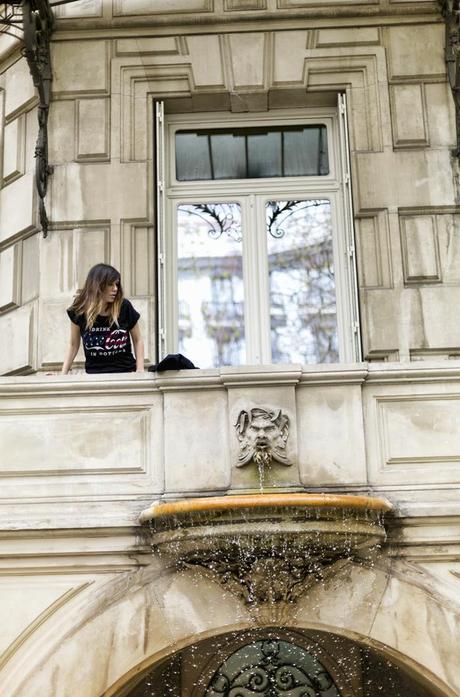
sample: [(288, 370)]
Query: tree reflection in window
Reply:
[(302, 299), (271, 668), (210, 283), (303, 316)]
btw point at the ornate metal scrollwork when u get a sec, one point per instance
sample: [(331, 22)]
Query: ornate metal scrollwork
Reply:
[(11, 18), (273, 668), (451, 12), (38, 25), (35, 19), (276, 576)]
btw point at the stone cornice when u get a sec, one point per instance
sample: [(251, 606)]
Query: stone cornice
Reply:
[(70, 30), (295, 374)]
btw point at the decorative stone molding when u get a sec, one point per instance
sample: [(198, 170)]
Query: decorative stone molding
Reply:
[(268, 583), (262, 433), (266, 549)]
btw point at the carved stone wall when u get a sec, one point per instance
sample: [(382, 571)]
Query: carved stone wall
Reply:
[(74, 572), (101, 202)]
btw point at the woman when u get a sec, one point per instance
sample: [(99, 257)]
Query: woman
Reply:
[(107, 322)]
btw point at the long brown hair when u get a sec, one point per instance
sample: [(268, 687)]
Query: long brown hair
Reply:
[(89, 300)]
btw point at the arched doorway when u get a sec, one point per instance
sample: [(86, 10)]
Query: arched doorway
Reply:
[(281, 663)]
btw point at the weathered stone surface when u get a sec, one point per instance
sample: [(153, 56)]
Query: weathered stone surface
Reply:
[(80, 67), (9, 276), (409, 133), (88, 192), (16, 219), (16, 332), (30, 269), (140, 7), (81, 8), (61, 120), (419, 242), (14, 150), (330, 435), (19, 89), (93, 134), (201, 454), (417, 53), (81, 456)]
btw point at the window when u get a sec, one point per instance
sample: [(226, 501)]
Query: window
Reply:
[(272, 667), (256, 257)]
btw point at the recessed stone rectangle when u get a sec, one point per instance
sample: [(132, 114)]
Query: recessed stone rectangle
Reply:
[(81, 8), (14, 149), (417, 53), (30, 269), (91, 246), (80, 67), (93, 133), (358, 36), (16, 344), (248, 59), (10, 278), (374, 259), (19, 88), (74, 441), (137, 259), (235, 5), (419, 431), (16, 219), (155, 46), (288, 4), (420, 249), (206, 59), (155, 7), (409, 132), (290, 53)]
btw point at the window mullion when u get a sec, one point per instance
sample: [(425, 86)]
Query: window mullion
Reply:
[(160, 230), (263, 309), (251, 282), (355, 354), (171, 312)]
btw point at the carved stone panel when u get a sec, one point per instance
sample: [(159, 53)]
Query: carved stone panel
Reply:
[(262, 433)]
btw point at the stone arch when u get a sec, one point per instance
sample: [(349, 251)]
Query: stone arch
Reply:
[(142, 618), (226, 642)]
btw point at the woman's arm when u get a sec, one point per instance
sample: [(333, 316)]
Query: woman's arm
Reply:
[(72, 349), (138, 347)]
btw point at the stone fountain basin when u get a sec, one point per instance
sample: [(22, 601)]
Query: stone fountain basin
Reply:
[(321, 526)]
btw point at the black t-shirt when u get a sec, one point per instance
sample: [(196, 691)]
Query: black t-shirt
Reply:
[(108, 348)]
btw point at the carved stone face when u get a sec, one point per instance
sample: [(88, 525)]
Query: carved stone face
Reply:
[(262, 434)]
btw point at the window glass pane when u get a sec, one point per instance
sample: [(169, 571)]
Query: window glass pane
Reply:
[(210, 283), (305, 152), (303, 318), (264, 154), (241, 153), (193, 157), (229, 156)]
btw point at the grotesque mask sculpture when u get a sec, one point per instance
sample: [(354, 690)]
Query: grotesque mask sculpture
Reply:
[(263, 434)]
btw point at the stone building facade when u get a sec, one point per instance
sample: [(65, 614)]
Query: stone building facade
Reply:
[(85, 606)]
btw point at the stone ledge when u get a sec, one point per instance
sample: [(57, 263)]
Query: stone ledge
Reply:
[(331, 373)]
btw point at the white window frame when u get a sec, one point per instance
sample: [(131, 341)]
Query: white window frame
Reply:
[(335, 186)]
